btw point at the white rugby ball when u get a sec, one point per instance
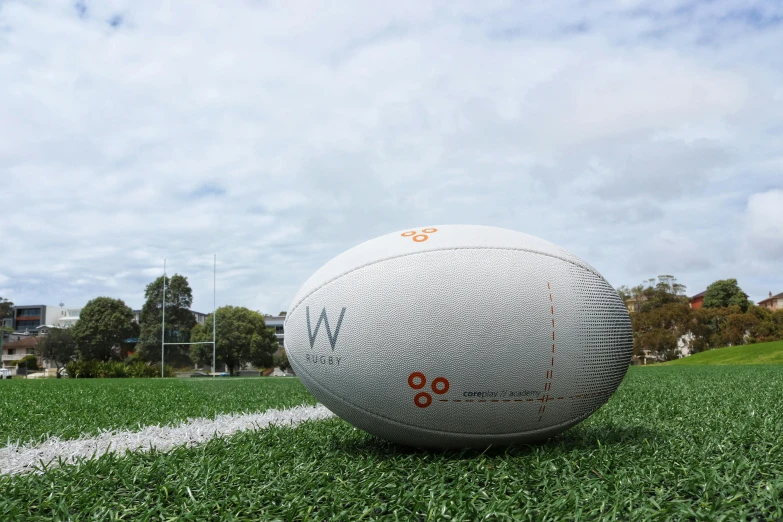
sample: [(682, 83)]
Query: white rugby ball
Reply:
[(459, 336)]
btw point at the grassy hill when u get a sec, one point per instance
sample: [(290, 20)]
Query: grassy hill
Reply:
[(761, 353)]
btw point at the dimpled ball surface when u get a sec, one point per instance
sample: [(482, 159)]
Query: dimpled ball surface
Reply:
[(459, 336)]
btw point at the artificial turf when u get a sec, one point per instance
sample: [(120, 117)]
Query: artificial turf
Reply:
[(33, 410), (674, 443)]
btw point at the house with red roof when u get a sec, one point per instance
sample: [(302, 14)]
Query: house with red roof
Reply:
[(15, 350), (773, 302), (697, 301)]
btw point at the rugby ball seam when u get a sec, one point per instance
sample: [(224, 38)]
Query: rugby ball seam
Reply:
[(585, 266)]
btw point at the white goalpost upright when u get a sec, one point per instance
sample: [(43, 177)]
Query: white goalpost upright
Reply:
[(163, 342)]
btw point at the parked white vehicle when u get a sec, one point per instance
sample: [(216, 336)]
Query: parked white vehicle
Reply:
[(6, 373)]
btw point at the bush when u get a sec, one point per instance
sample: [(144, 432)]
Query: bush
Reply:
[(132, 359), (142, 369), (112, 369), (28, 361), (168, 371), (281, 361), (83, 369)]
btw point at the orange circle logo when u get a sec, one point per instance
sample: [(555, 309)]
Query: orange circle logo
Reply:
[(423, 399), (417, 380), (440, 385), (420, 237)]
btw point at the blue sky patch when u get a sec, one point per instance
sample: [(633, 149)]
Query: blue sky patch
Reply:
[(207, 190), (81, 8)]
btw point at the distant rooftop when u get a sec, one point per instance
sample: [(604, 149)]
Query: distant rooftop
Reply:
[(771, 297)]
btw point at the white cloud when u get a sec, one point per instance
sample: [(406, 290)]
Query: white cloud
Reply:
[(278, 134), (672, 253), (764, 224)]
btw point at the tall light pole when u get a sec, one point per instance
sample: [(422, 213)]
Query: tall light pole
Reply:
[(163, 324), (214, 313)]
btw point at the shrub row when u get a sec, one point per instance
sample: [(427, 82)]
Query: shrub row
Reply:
[(115, 369)]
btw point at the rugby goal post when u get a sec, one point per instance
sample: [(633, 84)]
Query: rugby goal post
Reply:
[(163, 342)]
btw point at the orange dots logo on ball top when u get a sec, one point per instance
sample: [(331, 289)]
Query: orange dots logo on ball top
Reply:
[(417, 381), (419, 237)]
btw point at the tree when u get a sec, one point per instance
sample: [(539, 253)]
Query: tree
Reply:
[(6, 308), (57, 346), (179, 319), (242, 338), (725, 293), (658, 330), (103, 326), (653, 293), (666, 290), (769, 326), (661, 315), (281, 361), (28, 361)]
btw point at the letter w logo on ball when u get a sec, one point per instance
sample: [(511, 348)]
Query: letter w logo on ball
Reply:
[(323, 318)]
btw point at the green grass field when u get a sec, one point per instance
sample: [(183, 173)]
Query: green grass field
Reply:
[(761, 353), (35, 409), (696, 443)]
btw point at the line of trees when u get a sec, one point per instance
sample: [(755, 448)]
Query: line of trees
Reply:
[(664, 324), (106, 337)]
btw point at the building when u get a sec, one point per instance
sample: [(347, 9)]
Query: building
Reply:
[(68, 317), (28, 318), (200, 317), (31, 318), (646, 357), (697, 301), (634, 304), (277, 322), (17, 347), (773, 302)]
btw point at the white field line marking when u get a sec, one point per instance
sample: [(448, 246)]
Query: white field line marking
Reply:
[(21, 459)]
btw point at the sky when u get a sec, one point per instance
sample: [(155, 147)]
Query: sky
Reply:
[(645, 137)]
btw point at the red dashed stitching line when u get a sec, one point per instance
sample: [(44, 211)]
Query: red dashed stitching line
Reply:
[(551, 372), (545, 398)]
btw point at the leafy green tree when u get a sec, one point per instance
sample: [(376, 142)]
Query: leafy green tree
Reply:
[(57, 346), (6, 308), (658, 330), (725, 293), (666, 290), (281, 361), (661, 315), (103, 326), (653, 293), (179, 320), (738, 328), (28, 361), (729, 326), (242, 338)]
